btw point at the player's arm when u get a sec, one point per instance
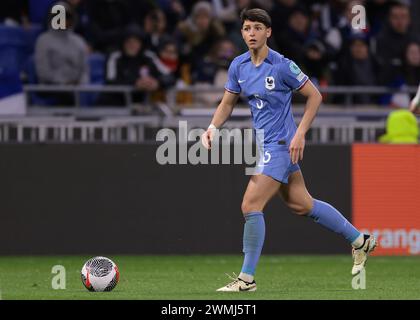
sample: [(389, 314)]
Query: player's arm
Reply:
[(415, 103), (313, 102), (222, 113)]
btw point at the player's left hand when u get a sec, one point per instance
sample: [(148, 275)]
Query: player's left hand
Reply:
[(297, 145), (415, 108)]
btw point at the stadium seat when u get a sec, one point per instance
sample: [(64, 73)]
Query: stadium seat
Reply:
[(11, 36), (97, 68), (29, 71), (16, 46), (12, 49), (97, 76), (31, 35), (38, 10)]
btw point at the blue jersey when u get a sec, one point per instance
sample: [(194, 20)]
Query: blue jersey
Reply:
[(269, 89)]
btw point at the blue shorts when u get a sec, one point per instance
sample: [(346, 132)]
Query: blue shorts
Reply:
[(276, 163)]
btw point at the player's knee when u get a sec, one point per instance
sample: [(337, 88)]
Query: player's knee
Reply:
[(248, 206)]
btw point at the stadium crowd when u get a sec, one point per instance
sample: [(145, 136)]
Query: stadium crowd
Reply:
[(154, 45)]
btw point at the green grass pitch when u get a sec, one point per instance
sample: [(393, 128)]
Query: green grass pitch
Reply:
[(197, 277)]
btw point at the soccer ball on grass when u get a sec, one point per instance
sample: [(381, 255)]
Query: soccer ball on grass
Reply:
[(100, 274)]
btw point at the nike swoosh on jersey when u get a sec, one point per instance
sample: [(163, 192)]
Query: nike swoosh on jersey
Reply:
[(240, 81)]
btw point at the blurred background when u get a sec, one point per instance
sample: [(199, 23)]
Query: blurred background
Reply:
[(80, 108), (148, 57)]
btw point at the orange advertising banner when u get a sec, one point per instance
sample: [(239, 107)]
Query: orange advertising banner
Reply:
[(386, 196)]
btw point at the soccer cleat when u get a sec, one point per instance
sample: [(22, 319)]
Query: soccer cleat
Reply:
[(361, 254), (238, 285)]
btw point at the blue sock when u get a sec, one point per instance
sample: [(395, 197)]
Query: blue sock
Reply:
[(328, 216), (254, 233)]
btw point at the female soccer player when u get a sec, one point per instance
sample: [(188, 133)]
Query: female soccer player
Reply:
[(268, 79)]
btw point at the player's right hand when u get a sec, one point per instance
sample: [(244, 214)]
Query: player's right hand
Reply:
[(207, 137)]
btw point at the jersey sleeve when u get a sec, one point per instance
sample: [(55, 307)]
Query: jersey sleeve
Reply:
[(232, 84), (292, 76)]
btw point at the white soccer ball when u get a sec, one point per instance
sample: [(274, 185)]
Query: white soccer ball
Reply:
[(100, 274)]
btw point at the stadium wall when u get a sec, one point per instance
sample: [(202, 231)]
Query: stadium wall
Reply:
[(108, 199)]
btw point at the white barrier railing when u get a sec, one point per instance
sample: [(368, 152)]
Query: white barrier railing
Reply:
[(333, 124), (341, 130)]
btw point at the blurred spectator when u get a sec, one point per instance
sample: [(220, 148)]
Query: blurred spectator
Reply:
[(412, 64), (199, 31), (391, 43), (182, 34), (410, 76), (81, 18), (280, 14), (155, 29), (376, 11), (343, 31), (267, 5), (61, 58), (211, 71), (14, 12), (130, 66), (174, 10), (226, 11), (108, 20), (166, 62), (187, 4), (325, 15), (357, 67), (138, 9), (233, 29), (218, 59), (314, 62), (291, 41)]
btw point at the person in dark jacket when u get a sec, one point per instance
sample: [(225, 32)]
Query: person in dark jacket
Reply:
[(391, 43), (412, 64), (291, 40), (358, 67), (130, 66)]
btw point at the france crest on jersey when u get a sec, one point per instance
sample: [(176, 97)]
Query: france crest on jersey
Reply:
[(269, 88)]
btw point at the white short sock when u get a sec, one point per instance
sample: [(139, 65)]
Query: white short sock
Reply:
[(246, 277), (359, 241)]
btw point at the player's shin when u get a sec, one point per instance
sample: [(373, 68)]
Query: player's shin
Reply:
[(329, 217), (253, 241)]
